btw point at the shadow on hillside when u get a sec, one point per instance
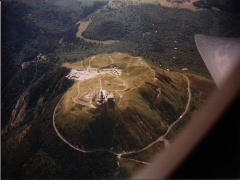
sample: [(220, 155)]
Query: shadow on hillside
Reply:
[(99, 133)]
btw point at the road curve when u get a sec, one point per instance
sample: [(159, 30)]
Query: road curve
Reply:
[(68, 143), (161, 138)]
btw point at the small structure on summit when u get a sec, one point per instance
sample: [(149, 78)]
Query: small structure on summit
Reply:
[(103, 95)]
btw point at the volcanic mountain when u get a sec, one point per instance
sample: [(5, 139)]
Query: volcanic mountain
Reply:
[(118, 101)]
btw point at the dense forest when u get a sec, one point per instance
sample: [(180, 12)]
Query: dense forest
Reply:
[(232, 6), (153, 32), (32, 28)]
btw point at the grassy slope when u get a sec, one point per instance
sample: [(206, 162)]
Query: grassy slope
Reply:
[(120, 127), (201, 88)]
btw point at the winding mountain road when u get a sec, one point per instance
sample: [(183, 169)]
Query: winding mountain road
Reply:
[(161, 138)]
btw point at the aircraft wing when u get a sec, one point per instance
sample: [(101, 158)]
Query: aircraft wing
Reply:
[(220, 55), (213, 127)]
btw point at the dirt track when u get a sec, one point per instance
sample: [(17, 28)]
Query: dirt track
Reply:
[(161, 138)]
